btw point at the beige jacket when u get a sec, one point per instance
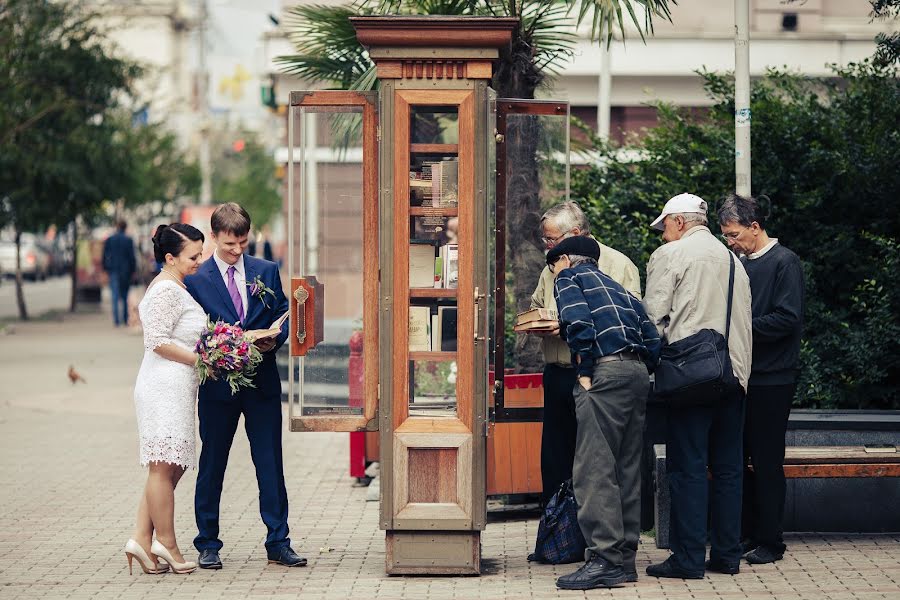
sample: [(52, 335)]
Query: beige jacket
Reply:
[(612, 262), (687, 289)]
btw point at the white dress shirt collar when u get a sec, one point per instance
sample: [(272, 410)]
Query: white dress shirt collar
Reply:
[(755, 255), (223, 266)]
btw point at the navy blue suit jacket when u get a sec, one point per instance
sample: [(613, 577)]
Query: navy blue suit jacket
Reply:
[(208, 289), (118, 256)]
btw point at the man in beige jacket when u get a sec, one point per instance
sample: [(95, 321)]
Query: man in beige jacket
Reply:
[(558, 437), (687, 290)]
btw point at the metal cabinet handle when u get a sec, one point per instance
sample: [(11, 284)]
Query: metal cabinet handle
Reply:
[(301, 296), (477, 328)]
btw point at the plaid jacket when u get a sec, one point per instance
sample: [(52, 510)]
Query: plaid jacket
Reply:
[(598, 317)]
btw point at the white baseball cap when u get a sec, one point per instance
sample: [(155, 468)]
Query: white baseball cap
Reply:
[(682, 203)]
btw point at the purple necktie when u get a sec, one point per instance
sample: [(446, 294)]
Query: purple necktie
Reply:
[(235, 294)]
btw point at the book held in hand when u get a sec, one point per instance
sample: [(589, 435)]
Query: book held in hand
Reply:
[(257, 335), (536, 319)]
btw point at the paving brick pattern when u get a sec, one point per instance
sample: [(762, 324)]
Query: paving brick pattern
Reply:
[(69, 485)]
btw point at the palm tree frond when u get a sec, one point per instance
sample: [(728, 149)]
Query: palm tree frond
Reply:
[(606, 16)]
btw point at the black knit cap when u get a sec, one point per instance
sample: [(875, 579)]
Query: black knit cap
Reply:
[(579, 244)]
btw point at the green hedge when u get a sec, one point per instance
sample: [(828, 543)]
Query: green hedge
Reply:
[(827, 155)]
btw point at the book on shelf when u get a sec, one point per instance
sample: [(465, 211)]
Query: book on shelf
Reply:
[(447, 324), (419, 329), (445, 183), (435, 333), (421, 263), (438, 272), (449, 255)]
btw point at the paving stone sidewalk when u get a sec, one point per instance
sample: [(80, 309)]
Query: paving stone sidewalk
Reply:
[(69, 485)]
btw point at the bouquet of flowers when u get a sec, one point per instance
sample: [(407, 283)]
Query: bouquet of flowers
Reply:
[(224, 351)]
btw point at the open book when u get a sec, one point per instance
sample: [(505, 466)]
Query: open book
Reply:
[(256, 335)]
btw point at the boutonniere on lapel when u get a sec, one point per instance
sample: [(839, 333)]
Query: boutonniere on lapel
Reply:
[(260, 290)]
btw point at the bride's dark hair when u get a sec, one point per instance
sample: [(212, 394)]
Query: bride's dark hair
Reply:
[(171, 239)]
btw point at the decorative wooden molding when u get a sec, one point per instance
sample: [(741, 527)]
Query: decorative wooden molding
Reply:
[(434, 31)]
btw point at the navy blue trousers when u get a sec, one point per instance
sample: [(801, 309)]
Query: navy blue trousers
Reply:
[(701, 437), (218, 422), (118, 295)]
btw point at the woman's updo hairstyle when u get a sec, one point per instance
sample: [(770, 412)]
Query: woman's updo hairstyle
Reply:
[(171, 239)]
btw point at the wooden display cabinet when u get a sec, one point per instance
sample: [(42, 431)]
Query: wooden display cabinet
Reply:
[(394, 214)]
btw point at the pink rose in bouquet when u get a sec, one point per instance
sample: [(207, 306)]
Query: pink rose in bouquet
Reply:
[(223, 352)]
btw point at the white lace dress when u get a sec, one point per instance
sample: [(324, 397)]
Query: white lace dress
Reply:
[(165, 393)]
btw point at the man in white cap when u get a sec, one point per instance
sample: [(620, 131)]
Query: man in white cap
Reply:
[(687, 290)]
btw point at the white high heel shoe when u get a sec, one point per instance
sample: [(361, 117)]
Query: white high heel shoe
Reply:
[(134, 550), (162, 552)]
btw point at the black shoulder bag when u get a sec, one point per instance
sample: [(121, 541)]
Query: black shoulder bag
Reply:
[(697, 369)]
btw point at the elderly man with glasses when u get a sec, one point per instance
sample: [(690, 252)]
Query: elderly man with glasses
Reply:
[(776, 280), (563, 221)]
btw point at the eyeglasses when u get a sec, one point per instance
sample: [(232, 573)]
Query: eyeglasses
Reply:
[(733, 235), (553, 240)]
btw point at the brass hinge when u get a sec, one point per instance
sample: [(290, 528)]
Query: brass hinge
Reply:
[(378, 133)]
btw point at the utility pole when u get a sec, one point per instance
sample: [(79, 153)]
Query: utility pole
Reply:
[(604, 92), (203, 105), (742, 97)]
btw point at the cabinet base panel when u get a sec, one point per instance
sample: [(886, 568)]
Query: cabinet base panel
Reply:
[(433, 552)]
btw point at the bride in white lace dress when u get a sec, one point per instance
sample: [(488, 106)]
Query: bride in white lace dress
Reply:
[(165, 396)]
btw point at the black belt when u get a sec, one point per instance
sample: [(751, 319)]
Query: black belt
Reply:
[(618, 356)]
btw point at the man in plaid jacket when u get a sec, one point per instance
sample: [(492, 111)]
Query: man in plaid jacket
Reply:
[(613, 346)]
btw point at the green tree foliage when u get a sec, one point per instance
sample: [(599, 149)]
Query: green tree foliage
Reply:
[(66, 140), (824, 154), (245, 173)]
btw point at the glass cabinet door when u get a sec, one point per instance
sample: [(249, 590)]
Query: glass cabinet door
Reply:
[(532, 175), (438, 309), (333, 261)]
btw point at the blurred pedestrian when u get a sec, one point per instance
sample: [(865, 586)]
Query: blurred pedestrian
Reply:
[(119, 263), (776, 280)]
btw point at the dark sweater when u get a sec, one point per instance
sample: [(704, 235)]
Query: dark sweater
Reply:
[(776, 280)]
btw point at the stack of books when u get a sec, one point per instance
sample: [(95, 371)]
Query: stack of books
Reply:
[(536, 319), (432, 332)]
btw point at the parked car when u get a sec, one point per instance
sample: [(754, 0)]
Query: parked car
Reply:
[(35, 260)]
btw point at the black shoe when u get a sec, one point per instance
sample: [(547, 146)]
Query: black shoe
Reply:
[(667, 569), (631, 576), (209, 559), (287, 557), (592, 574), (762, 555), (748, 545), (720, 567)]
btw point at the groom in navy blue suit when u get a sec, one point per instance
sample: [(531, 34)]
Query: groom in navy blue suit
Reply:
[(223, 286)]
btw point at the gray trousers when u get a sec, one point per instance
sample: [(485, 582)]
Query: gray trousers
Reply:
[(607, 469)]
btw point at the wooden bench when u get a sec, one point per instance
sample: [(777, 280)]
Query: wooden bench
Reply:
[(841, 461), (799, 462)]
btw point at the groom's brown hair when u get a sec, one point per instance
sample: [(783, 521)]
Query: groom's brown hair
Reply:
[(230, 218)]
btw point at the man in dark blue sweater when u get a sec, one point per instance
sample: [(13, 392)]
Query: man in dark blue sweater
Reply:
[(776, 282), (612, 344)]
